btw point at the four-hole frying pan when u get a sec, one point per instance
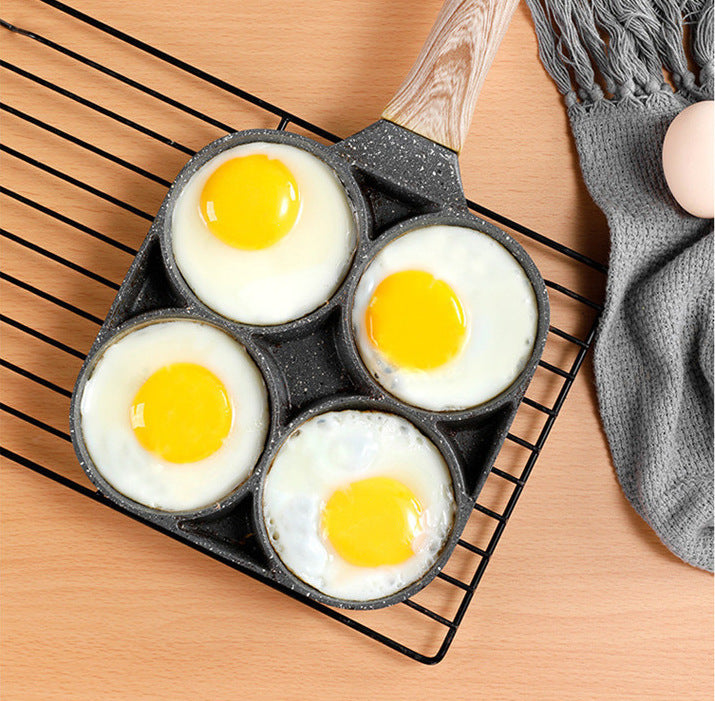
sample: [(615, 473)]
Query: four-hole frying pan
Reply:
[(399, 173)]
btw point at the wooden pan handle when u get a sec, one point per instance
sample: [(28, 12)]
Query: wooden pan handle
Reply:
[(438, 96)]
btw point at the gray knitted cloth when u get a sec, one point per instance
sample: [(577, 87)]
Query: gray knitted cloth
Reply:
[(654, 353)]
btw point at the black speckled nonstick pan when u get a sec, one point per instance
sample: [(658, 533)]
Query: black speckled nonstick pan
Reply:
[(399, 174)]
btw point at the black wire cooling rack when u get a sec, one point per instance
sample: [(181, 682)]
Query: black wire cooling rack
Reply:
[(442, 613)]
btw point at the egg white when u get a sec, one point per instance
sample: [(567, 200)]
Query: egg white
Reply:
[(274, 285), (499, 304), (329, 452), (105, 416)]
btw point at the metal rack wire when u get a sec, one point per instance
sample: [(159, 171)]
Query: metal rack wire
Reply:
[(512, 479)]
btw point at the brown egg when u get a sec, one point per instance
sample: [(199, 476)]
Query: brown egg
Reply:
[(688, 155)]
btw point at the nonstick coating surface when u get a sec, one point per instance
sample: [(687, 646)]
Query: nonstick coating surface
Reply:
[(395, 181)]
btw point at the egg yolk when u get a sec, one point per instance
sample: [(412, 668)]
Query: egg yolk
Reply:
[(372, 522), (416, 320), (250, 202), (182, 413)]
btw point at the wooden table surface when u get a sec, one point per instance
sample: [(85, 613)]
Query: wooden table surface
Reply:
[(580, 601)]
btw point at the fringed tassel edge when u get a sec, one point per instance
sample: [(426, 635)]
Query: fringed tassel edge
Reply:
[(618, 50)]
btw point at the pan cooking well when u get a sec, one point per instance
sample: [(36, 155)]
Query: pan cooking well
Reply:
[(396, 180)]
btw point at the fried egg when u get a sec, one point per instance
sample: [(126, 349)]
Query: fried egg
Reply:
[(263, 233), (358, 504), (445, 318), (175, 415)]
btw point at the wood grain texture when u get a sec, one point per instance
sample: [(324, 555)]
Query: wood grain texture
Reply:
[(581, 601), (438, 96)]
